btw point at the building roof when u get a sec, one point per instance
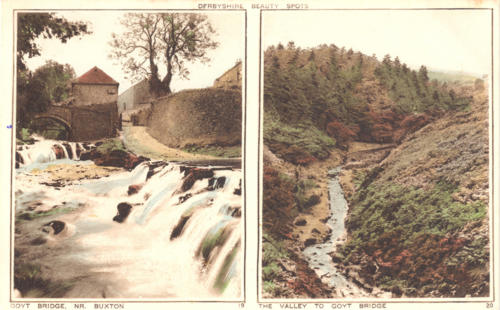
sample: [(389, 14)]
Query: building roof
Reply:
[(95, 76)]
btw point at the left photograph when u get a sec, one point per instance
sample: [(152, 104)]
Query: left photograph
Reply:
[(127, 163)]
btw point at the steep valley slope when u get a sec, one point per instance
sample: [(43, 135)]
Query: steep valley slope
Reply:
[(418, 221), (418, 217)]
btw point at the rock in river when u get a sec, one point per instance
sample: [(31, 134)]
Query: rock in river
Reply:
[(123, 212)]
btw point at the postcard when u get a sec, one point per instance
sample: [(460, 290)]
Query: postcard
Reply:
[(250, 155)]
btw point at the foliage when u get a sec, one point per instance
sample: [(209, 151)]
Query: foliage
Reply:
[(341, 132), (279, 202), (109, 145), (272, 252), (28, 280), (305, 202), (379, 207), (23, 136), (412, 91), (215, 150), (36, 91), (31, 26), (270, 287), (411, 234), (299, 145), (162, 42)]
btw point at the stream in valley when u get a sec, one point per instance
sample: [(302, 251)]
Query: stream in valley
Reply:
[(318, 255)]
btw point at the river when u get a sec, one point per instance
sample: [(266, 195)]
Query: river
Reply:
[(318, 255), (163, 230)]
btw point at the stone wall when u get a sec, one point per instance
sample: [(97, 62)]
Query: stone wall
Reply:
[(199, 117), (94, 122), (87, 94)]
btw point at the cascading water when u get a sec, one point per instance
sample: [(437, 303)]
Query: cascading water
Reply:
[(162, 230), (44, 151)]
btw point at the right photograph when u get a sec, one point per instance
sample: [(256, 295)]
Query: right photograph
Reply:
[(376, 153)]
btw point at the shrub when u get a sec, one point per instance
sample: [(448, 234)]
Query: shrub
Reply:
[(412, 235), (341, 133), (278, 202)]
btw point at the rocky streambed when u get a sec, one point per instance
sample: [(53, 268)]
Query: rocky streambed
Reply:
[(319, 255)]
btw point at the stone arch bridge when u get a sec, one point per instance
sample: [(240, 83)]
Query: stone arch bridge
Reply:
[(85, 123)]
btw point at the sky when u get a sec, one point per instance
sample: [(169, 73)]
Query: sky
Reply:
[(447, 40), (85, 52)]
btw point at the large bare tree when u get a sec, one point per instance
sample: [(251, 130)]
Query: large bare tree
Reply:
[(162, 42)]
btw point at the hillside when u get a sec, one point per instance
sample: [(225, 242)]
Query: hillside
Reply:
[(316, 99), (417, 221)]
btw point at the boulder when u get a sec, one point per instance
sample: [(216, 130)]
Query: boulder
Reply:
[(90, 155), (134, 189), (185, 197), (324, 220), (309, 242), (176, 232), (79, 149), (123, 212), (300, 222), (237, 191), (215, 183), (115, 158), (235, 211), (19, 159), (68, 150), (193, 174), (153, 168), (59, 151), (57, 226)]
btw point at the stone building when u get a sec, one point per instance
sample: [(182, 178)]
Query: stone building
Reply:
[(91, 112), (134, 97), (94, 87), (231, 78)]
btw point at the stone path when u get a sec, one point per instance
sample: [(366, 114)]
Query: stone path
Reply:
[(138, 140)]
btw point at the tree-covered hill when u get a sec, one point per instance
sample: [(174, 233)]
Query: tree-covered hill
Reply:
[(319, 98)]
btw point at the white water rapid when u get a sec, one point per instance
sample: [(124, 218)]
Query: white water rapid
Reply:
[(45, 150), (145, 233)]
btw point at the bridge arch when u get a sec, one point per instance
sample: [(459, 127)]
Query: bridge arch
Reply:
[(57, 119)]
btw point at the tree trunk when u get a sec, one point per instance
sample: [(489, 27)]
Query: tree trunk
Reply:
[(168, 78), (155, 84)]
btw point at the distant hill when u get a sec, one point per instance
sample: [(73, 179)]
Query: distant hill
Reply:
[(453, 76)]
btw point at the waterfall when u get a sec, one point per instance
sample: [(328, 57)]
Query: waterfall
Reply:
[(160, 230), (45, 150)]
